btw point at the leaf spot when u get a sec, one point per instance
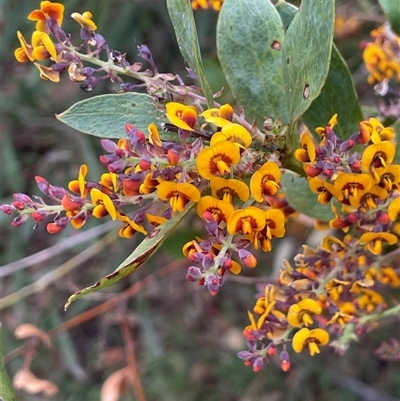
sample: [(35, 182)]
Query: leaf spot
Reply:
[(276, 45), (306, 91), (288, 60)]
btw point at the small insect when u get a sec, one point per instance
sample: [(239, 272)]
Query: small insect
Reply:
[(118, 58)]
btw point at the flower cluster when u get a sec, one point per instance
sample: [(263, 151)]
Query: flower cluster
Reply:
[(341, 281), (235, 187), (381, 57), (206, 4)]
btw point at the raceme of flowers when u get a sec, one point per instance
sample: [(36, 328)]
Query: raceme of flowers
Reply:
[(238, 196), (382, 56)]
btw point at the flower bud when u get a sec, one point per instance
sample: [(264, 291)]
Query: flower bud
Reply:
[(19, 220), (22, 198), (7, 209), (193, 274), (69, 204), (108, 145), (258, 364), (285, 360), (172, 157), (247, 258), (42, 184), (39, 215), (271, 349)]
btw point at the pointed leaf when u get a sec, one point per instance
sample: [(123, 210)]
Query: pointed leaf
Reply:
[(249, 43), (301, 198), (338, 96), (140, 255), (181, 14), (391, 8), (106, 115), (306, 54)]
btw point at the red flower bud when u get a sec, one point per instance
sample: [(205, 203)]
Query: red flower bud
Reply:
[(172, 157), (69, 204), (53, 228)]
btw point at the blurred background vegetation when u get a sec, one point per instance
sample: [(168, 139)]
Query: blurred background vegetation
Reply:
[(185, 341)]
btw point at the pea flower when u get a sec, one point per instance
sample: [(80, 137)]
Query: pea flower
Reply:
[(310, 339)]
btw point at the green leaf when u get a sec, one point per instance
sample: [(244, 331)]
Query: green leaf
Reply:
[(338, 96), (140, 255), (181, 14), (306, 54), (287, 12), (106, 115), (6, 388), (249, 41), (301, 198), (391, 8)]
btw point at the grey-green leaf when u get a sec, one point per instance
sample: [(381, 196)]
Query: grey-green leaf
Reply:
[(106, 115), (301, 198), (181, 14), (338, 96), (391, 8), (286, 11), (306, 54), (249, 44)]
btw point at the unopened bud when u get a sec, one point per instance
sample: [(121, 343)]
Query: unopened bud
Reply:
[(258, 364), (172, 157), (70, 205), (271, 350), (193, 274), (42, 184), (39, 215), (285, 360), (247, 258)]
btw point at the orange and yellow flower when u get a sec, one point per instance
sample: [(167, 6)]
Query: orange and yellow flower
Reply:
[(85, 20), (350, 185), (217, 159), (181, 116), (325, 190), (129, 229), (274, 228), (377, 155), (394, 209), (306, 154), (246, 221), (264, 182), (205, 4), (219, 117), (374, 241), (369, 198), (220, 209), (79, 185), (377, 131), (25, 52), (234, 133), (103, 205), (48, 10), (301, 313), (178, 194), (310, 339), (43, 47), (229, 189)]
